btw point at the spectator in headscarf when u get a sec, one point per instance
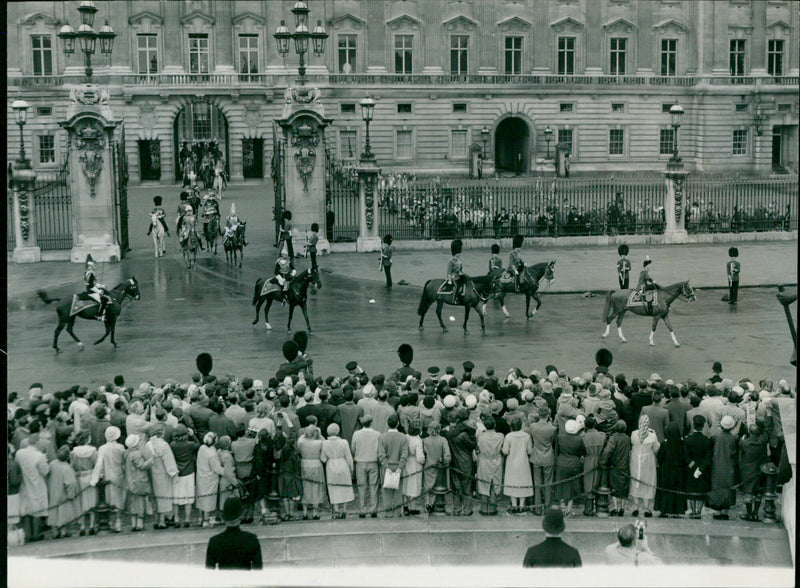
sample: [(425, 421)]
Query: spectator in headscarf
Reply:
[(412, 473), (137, 480), (437, 454), (163, 471), (338, 470), (517, 481), (184, 447), (209, 470)]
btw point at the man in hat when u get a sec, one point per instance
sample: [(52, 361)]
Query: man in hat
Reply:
[(515, 263), (495, 262), (406, 354), (386, 259), (233, 549), (623, 267), (646, 284), (468, 367), (94, 289), (733, 267), (158, 213), (455, 270), (294, 365), (284, 273), (552, 552), (232, 223)]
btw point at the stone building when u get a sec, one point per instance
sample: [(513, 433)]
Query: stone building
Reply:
[(600, 74)]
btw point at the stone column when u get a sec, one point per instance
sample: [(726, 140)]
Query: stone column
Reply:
[(644, 39), (758, 55), (223, 37), (368, 237), (593, 37), (675, 204), (173, 38), (722, 46), (25, 250), (792, 54), (543, 53), (377, 40)]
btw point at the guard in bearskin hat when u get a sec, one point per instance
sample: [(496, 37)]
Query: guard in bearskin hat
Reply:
[(455, 269), (623, 267), (603, 358), (159, 214), (204, 365), (733, 268), (406, 354)]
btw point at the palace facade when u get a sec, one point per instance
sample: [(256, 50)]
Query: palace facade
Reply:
[(600, 74)]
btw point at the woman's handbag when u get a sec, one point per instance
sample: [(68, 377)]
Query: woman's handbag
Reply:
[(391, 480)]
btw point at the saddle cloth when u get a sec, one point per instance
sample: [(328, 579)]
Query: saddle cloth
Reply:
[(79, 304), (506, 278), (269, 286), (635, 299)]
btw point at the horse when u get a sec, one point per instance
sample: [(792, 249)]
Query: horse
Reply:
[(211, 231), (528, 285), (297, 295), (476, 292), (127, 289), (159, 235), (617, 303), (233, 242), (190, 241)]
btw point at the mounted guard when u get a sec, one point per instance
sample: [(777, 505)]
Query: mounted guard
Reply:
[(495, 262), (94, 289), (158, 223), (184, 208), (456, 277), (284, 273), (646, 287), (233, 221), (516, 265)]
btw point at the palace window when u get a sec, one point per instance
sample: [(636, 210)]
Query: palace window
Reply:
[(565, 136), (666, 142), (348, 144), (347, 53), (617, 107), (513, 55), (198, 54), (737, 54), (404, 108), (147, 52), (349, 108), (459, 107), (566, 56), (248, 54), (47, 149), (739, 142), (201, 121), (405, 146), (459, 52), (42, 46), (403, 53), (565, 107), (458, 144), (742, 107), (669, 57), (775, 57), (44, 111), (616, 142), (618, 53)]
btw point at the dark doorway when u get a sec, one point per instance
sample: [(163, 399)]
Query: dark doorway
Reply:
[(777, 141), (149, 160), (198, 124), (253, 158), (512, 146)]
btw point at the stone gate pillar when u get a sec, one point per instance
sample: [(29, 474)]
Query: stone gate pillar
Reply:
[(303, 123), (91, 124), (675, 206), (25, 249), (368, 237)]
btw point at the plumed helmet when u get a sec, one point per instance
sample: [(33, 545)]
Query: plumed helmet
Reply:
[(204, 363), (157, 200), (647, 261), (388, 239), (495, 248), (733, 252), (623, 249), (406, 353), (301, 338), (233, 208), (603, 357), (89, 261), (517, 241), (290, 350), (456, 246)]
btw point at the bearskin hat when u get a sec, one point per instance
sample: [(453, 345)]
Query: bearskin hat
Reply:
[(495, 248), (301, 338), (406, 353), (456, 246), (623, 249), (204, 364), (603, 357), (290, 350), (157, 200), (517, 241), (388, 239), (733, 252)]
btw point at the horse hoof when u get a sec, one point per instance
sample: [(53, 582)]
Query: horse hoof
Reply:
[(652, 344), (57, 349), (483, 331), (421, 328), (310, 332), (255, 322), (269, 326), (604, 336), (677, 344), (466, 332), (444, 329), (625, 341)]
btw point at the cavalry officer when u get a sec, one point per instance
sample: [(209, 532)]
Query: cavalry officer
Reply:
[(733, 268), (386, 259), (160, 215), (284, 272), (233, 221), (646, 283), (495, 263), (184, 208), (94, 289), (311, 244), (285, 236), (623, 267), (455, 269), (515, 263)]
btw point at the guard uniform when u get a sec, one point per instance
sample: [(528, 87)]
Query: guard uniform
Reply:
[(495, 263), (733, 268), (284, 272), (646, 283), (160, 214), (386, 259), (311, 246), (232, 223), (455, 268), (286, 236), (515, 263), (94, 289), (184, 208), (623, 267)]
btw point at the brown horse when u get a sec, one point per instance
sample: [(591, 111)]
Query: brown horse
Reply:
[(617, 305)]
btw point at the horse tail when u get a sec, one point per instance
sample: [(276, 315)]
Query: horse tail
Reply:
[(424, 301), (607, 307), (257, 292)]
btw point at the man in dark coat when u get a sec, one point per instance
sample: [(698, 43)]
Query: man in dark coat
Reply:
[(552, 552), (233, 549), (325, 412), (697, 449), (461, 438)]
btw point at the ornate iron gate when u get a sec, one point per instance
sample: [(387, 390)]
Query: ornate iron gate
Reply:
[(53, 212), (119, 181), (341, 200), (278, 173)]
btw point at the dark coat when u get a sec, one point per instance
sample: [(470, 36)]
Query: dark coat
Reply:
[(234, 549), (617, 457), (671, 474), (754, 454), (326, 414), (697, 450), (724, 471), (552, 553), (677, 414)]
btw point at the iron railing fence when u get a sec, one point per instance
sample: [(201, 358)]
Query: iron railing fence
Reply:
[(53, 212)]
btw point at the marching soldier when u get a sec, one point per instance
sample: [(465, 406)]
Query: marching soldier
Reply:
[(515, 263), (455, 269), (646, 284), (733, 268), (386, 259), (623, 267), (495, 262), (160, 214), (284, 272), (94, 289)]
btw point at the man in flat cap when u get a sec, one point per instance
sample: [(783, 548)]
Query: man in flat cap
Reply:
[(733, 268)]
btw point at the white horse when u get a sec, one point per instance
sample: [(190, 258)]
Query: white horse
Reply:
[(159, 235), (219, 180)]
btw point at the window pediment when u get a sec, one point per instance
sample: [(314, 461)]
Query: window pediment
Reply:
[(46, 19), (515, 23), (779, 28), (567, 25), (197, 20), (404, 21), (348, 21), (740, 32), (145, 20), (619, 25), (247, 19), (460, 23), (670, 26)]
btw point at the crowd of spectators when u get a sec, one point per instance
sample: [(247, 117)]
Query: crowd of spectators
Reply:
[(170, 453)]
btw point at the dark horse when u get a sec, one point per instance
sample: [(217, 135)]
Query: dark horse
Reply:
[(617, 305), (528, 285), (189, 241), (297, 295), (127, 289), (476, 292), (233, 243), (211, 232)]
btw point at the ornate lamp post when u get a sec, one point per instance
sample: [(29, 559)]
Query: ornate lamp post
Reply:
[(21, 108), (367, 112), (548, 136), (87, 36), (485, 138), (301, 36), (675, 114), (674, 231)]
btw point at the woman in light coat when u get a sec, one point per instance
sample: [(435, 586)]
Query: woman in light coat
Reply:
[(228, 483), (83, 459), (163, 473), (62, 489), (518, 484), (209, 469), (338, 469), (490, 465), (109, 469), (137, 480), (644, 449), (412, 474), (312, 472)]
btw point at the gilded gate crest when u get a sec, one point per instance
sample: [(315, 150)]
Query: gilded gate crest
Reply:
[(90, 144), (305, 139)]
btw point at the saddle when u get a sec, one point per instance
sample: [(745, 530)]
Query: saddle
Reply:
[(270, 286), (80, 304), (636, 299)]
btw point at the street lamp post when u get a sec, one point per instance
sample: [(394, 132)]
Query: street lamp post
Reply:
[(548, 135), (676, 114), (87, 36), (21, 108), (485, 137), (301, 36), (367, 112)]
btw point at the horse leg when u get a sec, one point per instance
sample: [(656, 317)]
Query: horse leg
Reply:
[(289, 322), (466, 318), (483, 322), (424, 305), (241, 257), (619, 327), (59, 328), (258, 309), (653, 330), (502, 301), (671, 332), (439, 305), (266, 314), (70, 324), (305, 315)]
